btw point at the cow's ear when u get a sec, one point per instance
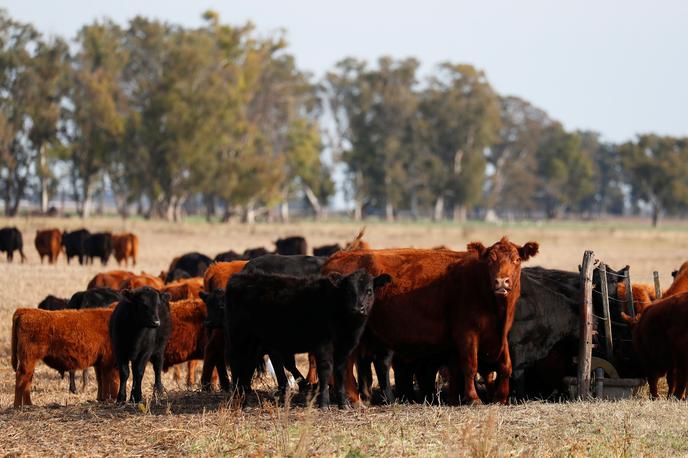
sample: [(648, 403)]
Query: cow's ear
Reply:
[(381, 280), (478, 247), (528, 250), (128, 294), (335, 278)]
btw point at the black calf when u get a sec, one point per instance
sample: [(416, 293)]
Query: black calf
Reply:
[(139, 330)]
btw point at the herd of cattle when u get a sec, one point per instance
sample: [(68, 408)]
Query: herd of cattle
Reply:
[(492, 329)]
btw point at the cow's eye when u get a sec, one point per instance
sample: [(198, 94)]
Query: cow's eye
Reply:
[(517, 261)]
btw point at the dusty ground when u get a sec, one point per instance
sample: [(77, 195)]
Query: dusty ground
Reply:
[(193, 423)]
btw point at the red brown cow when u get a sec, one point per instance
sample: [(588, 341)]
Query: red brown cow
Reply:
[(214, 283), (643, 295), (144, 279), (111, 279), (680, 283), (125, 246), (189, 337), (49, 244), (445, 301), (660, 339), (187, 288), (218, 273), (49, 336)]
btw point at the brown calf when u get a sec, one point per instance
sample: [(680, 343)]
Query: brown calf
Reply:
[(189, 337), (643, 295), (52, 336), (144, 279), (218, 273), (111, 279), (125, 246), (49, 243), (187, 288)]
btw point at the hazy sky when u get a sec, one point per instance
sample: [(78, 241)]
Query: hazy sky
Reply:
[(617, 67)]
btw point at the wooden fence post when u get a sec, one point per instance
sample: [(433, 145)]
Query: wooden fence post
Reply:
[(629, 293), (604, 291), (585, 345), (658, 290)]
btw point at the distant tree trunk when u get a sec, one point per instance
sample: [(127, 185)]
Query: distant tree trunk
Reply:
[(389, 211), (358, 204), (250, 213), (86, 199), (209, 207), (284, 207), (178, 209), (459, 214), (438, 211), (656, 212), (42, 175), (414, 204), (313, 201)]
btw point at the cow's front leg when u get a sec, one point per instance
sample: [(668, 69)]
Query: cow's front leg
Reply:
[(504, 369), (468, 364)]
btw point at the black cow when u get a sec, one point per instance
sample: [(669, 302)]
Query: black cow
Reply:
[(94, 298), (73, 243), (297, 265), (253, 253), (326, 250), (140, 328), (228, 256), (215, 306), (10, 241), (291, 246), (194, 264), (288, 315), (98, 245), (53, 303)]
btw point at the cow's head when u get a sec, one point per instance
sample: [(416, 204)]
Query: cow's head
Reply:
[(503, 260), (147, 302), (215, 303), (358, 289)]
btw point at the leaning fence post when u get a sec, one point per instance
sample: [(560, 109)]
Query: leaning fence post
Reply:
[(658, 290), (604, 291), (629, 293), (585, 345)]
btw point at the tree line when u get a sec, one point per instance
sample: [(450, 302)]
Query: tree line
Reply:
[(220, 119)]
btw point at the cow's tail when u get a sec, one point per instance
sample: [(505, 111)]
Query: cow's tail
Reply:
[(15, 330), (356, 242)]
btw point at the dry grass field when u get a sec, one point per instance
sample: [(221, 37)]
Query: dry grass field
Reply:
[(188, 422)]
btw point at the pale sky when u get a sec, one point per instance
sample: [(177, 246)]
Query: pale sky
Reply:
[(617, 67)]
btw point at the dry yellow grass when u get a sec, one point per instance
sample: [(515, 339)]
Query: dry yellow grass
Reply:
[(188, 422)]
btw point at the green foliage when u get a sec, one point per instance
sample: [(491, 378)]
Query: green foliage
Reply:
[(658, 172), (163, 116)]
